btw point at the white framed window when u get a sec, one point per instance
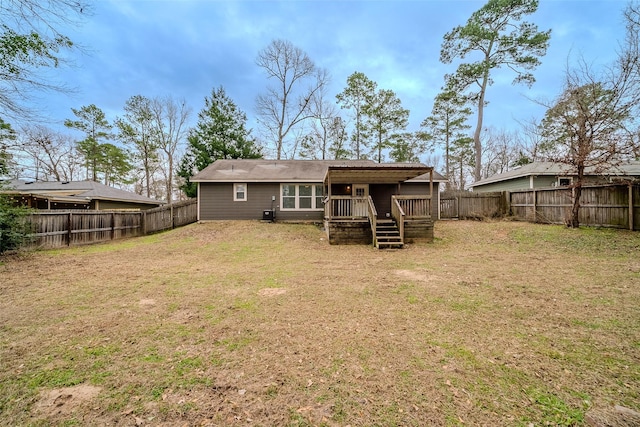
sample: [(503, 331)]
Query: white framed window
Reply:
[(240, 192), (304, 197)]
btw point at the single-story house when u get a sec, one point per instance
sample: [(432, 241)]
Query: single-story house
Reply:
[(90, 195), (552, 174), (355, 199)]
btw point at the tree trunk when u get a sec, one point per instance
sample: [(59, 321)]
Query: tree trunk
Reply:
[(574, 221), (170, 181), (476, 135), (446, 157)]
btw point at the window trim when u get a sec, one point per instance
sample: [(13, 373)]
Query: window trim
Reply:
[(314, 197), (235, 191), (560, 178)]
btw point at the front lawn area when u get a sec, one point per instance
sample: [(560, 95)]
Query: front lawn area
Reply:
[(248, 323)]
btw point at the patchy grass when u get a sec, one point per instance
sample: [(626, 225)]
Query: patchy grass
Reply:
[(244, 323)]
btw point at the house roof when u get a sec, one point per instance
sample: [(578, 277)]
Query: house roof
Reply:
[(76, 191), (252, 170), (555, 169)]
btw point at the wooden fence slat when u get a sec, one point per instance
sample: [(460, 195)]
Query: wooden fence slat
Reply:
[(610, 205), (52, 229)]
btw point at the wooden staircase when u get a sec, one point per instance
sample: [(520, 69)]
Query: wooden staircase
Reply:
[(387, 234)]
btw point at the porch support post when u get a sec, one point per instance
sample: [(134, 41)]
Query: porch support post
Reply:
[(431, 193), (328, 210)]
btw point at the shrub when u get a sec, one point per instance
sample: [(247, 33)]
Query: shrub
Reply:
[(14, 226)]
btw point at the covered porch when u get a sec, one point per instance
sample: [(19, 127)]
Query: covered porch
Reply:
[(377, 205)]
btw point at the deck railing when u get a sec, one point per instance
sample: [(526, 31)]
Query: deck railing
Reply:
[(346, 207), (414, 207), (398, 214), (373, 217)]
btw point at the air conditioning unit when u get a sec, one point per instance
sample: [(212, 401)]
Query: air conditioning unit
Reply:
[(268, 215)]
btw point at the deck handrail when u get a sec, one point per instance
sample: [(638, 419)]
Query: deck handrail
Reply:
[(398, 215), (343, 207), (416, 206), (373, 218)]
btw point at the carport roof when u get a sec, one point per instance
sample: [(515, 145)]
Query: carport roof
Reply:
[(377, 173)]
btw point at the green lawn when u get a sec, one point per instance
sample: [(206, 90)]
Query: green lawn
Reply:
[(248, 323)]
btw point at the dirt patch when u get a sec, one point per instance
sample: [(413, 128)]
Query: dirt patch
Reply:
[(65, 401), (419, 275), (271, 292), (617, 416)]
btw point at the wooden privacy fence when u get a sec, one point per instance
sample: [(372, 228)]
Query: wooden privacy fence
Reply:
[(468, 205), (612, 205), (52, 229)]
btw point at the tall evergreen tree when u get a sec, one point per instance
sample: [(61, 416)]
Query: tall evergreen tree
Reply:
[(92, 121), (498, 35), (407, 147), (220, 133), (356, 96), (446, 125), (137, 130), (385, 119)]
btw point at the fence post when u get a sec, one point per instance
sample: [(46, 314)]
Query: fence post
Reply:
[(69, 230), (143, 222), (173, 220), (113, 225), (506, 197), (631, 225)]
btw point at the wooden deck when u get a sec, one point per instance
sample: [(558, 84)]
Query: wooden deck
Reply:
[(355, 220)]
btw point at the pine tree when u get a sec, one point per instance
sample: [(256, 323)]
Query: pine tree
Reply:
[(220, 133)]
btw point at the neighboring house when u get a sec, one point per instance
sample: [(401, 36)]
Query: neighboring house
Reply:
[(352, 195), (89, 195), (551, 174)]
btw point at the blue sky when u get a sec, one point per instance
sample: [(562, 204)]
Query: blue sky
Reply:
[(186, 48)]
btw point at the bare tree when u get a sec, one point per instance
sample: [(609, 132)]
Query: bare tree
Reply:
[(136, 129), (591, 124), (529, 142), (31, 41), (316, 143), (51, 156), (500, 151), (287, 103), (169, 119)]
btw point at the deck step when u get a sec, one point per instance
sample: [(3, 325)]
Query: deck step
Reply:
[(387, 234)]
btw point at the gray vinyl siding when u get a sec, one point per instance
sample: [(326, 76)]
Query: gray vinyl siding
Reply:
[(521, 183), (216, 203), (544, 181), (422, 188), (111, 205), (381, 195)]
